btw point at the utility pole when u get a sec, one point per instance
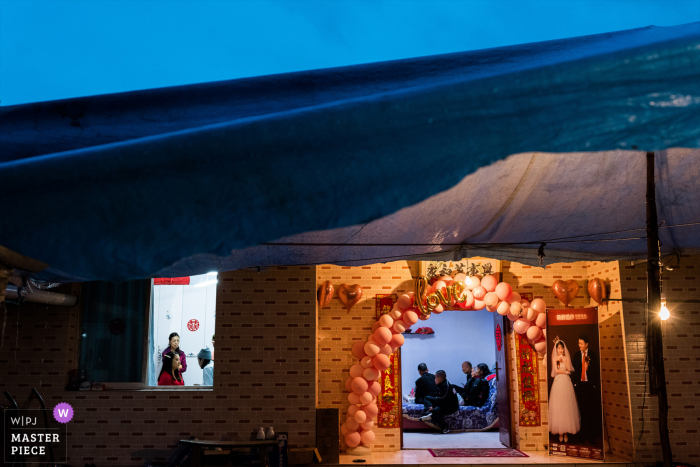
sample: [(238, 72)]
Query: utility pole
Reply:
[(655, 350)]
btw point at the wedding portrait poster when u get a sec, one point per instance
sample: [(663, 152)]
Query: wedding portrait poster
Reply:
[(573, 383)]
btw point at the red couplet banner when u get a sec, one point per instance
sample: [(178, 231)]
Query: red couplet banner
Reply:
[(574, 385)]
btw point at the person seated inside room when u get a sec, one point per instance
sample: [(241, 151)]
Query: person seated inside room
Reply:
[(442, 405), (467, 370), (476, 391), (207, 365), (425, 385)]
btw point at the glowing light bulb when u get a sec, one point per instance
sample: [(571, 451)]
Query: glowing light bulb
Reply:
[(664, 314)]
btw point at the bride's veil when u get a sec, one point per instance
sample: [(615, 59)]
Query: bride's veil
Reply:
[(567, 358)]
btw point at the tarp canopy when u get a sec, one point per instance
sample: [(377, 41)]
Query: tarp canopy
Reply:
[(188, 179)]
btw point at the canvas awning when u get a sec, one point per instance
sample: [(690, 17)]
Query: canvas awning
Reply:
[(183, 180)]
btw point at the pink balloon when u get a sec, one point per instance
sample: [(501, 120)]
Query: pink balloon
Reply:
[(366, 362), (503, 308), (399, 326), (358, 349), (366, 398), (356, 370), (404, 302), (370, 338), (492, 308), (351, 411), (360, 416), (395, 314), (438, 309), (371, 349), (374, 388), (344, 430), (491, 299), (375, 326), (504, 290), (514, 297), (479, 292), (461, 277), (352, 424), (479, 305), (489, 283), (367, 424), (371, 374), (469, 301), (472, 282), (534, 333), (386, 350), (446, 278), (539, 305), (412, 296), (516, 308), (541, 346), (371, 409), (397, 340), (386, 321), (348, 383), (530, 314), (367, 437), (381, 362), (520, 325), (353, 398), (359, 385), (541, 320), (410, 317), (353, 439), (439, 285), (382, 336)]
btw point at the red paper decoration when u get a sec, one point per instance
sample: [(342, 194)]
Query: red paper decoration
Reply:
[(193, 325)]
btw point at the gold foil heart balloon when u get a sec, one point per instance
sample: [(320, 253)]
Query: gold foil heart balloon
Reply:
[(349, 295), (324, 295), (565, 291), (597, 290)]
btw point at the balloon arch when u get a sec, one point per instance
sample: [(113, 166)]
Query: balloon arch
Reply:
[(461, 292)]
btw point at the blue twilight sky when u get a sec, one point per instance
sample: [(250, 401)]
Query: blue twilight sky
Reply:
[(54, 49)]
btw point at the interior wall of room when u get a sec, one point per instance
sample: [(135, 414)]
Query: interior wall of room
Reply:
[(459, 336), (264, 373)]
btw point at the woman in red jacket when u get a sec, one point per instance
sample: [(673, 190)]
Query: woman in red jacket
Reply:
[(170, 373)]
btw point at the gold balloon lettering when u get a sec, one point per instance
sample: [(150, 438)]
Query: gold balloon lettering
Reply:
[(427, 303)]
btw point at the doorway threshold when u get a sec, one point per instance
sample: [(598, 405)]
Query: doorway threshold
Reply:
[(423, 457)]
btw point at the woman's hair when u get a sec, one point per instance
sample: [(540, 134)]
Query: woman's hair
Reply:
[(556, 365), (168, 366), (170, 337), (559, 344), (483, 369)]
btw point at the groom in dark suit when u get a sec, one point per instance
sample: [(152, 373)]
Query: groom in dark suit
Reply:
[(586, 379)]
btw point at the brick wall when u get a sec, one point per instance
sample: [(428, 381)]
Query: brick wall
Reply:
[(681, 335), (538, 281), (338, 329), (264, 375)]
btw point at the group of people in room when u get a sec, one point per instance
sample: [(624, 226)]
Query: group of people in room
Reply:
[(439, 397), (175, 364)]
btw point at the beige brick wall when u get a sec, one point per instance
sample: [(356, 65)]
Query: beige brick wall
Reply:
[(681, 335), (264, 375), (338, 329)]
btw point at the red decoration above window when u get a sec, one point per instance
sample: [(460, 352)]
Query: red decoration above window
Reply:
[(171, 281)]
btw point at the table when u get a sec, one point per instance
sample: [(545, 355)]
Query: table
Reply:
[(197, 446)]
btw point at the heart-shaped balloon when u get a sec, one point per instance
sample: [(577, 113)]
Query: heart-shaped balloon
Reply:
[(597, 290), (565, 291), (349, 294), (324, 295)]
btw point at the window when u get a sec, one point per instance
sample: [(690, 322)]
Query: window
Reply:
[(112, 330), (125, 329), (186, 306)]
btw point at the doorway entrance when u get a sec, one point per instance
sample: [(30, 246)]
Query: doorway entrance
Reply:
[(445, 343)]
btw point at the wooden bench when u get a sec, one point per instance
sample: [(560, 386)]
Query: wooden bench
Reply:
[(198, 445)]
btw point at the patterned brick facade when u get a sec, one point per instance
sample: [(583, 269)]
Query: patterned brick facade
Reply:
[(264, 374), (278, 357)]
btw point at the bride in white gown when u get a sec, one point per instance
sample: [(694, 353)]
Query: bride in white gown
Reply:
[(564, 416)]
